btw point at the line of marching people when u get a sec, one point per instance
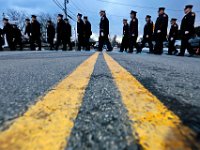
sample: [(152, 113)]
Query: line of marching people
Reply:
[(13, 36), (158, 33), (62, 32)]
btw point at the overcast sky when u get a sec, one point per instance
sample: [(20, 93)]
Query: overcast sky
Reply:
[(116, 9)]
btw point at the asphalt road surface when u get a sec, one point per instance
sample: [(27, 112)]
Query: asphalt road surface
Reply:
[(103, 120)]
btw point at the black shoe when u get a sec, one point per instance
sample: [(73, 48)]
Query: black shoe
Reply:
[(130, 52), (176, 52), (180, 55), (190, 55)]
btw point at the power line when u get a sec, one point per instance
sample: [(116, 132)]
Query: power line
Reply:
[(63, 9), (81, 10), (138, 6)]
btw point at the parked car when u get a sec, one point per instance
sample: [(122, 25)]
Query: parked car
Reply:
[(195, 42)]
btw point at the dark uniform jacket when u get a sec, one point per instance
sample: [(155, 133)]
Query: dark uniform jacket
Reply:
[(50, 31), (61, 29), (104, 26), (28, 30), (87, 29), (187, 23), (173, 32), (17, 34), (68, 30), (162, 24), (126, 31), (80, 28), (148, 29), (8, 30), (134, 27), (1, 37), (35, 29)]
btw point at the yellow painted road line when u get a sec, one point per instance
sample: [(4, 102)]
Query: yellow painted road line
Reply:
[(154, 126), (47, 125)]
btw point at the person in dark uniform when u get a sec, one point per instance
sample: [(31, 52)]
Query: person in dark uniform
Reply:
[(1, 39), (87, 32), (50, 34), (160, 31), (148, 33), (198, 50), (8, 31), (35, 33), (61, 33), (17, 35), (80, 28), (104, 32), (187, 30), (27, 28), (173, 34), (133, 31), (68, 34), (125, 39)]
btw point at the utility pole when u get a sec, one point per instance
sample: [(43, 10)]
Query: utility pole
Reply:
[(65, 8)]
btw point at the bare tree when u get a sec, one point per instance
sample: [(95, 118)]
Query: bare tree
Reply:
[(43, 18), (17, 17)]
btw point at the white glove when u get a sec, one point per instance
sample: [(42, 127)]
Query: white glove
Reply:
[(159, 31), (102, 34), (133, 34), (147, 36), (172, 39), (186, 32)]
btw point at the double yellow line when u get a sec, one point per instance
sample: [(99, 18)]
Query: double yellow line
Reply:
[(48, 124)]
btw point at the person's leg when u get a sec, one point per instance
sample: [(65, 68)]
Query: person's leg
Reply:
[(11, 44), (170, 48), (1, 44), (123, 44), (82, 42), (136, 44), (1, 48), (150, 45), (183, 47), (189, 47), (101, 43), (58, 42), (50, 41), (39, 43), (158, 44), (140, 47), (70, 44), (88, 44), (108, 44), (131, 43), (79, 43), (32, 43), (64, 42)]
